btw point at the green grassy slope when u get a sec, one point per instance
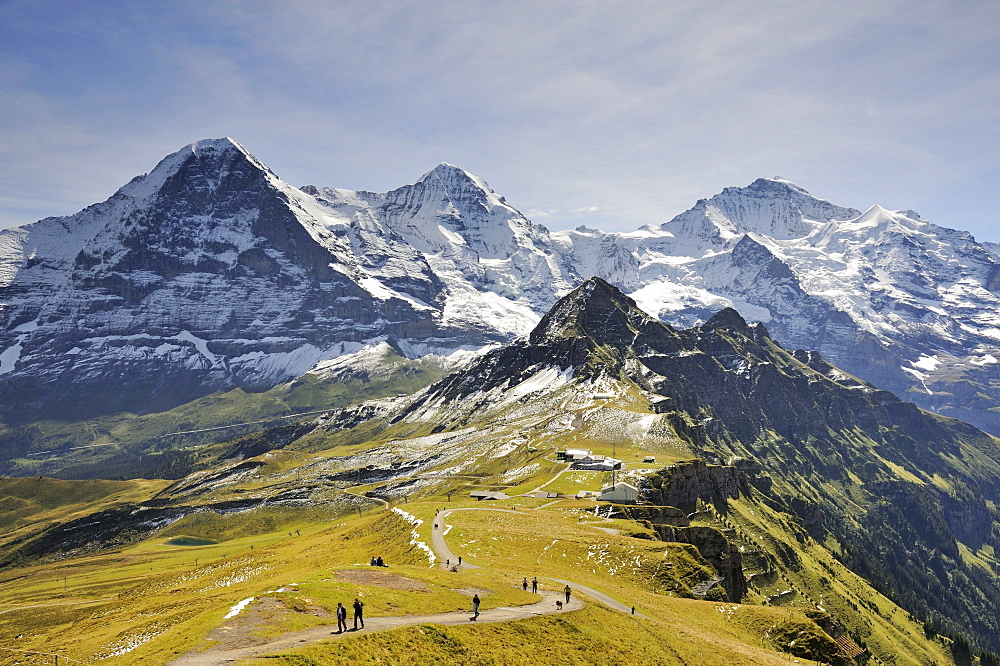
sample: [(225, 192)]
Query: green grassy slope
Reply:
[(150, 601)]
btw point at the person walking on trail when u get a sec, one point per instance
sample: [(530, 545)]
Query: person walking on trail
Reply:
[(359, 609), (475, 607), (341, 618), (459, 560), (534, 585), (524, 584), (567, 590)]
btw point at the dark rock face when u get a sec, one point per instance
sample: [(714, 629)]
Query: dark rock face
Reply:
[(724, 557), (683, 484), (655, 515), (206, 274)]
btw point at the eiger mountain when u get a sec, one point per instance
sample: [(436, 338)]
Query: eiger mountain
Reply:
[(210, 272)]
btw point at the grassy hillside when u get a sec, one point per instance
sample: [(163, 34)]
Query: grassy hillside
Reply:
[(169, 444), (149, 602), (829, 509)]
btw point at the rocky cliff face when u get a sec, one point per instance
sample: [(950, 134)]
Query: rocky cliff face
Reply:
[(724, 557), (683, 484), (210, 272)]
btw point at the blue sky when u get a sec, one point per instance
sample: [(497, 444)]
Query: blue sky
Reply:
[(608, 114)]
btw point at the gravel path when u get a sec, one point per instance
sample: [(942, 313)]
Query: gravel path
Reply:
[(213, 657), (217, 656)]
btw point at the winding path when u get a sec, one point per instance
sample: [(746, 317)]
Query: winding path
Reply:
[(214, 657), (218, 656), (443, 554)]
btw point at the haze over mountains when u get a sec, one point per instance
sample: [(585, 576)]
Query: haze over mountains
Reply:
[(210, 272)]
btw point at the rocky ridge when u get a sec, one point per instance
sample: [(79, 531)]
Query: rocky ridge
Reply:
[(897, 489)]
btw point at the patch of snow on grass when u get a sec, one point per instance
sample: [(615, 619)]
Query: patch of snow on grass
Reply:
[(546, 378), (235, 610), (503, 450), (519, 472), (414, 535), (126, 644)]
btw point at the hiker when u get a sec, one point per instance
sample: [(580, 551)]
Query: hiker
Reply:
[(447, 563), (524, 584), (534, 585), (358, 613), (567, 591), (341, 618), (379, 562), (633, 610), (475, 607), (374, 563), (459, 560)]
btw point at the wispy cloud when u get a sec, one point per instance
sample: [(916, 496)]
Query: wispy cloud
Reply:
[(623, 114)]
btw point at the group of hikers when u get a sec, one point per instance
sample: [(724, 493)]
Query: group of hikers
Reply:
[(359, 616), (377, 562), (568, 591)]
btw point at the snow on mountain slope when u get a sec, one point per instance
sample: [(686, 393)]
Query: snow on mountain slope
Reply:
[(874, 292), (211, 272), (498, 268)]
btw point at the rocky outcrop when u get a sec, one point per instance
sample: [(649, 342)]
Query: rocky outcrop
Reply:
[(655, 515), (724, 557), (683, 484)]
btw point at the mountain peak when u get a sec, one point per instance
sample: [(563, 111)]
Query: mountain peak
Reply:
[(213, 158), (594, 309), (776, 184), (451, 174), (729, 319), (774, 207)]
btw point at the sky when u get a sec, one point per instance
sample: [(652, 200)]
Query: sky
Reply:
[(606, 114)]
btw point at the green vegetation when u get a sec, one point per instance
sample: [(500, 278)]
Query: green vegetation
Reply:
[(162, 444), (842, 506), (152, 601)]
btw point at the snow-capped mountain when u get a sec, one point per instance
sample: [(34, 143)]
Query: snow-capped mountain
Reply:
[(499, 270), (211, 272), (898, 301)]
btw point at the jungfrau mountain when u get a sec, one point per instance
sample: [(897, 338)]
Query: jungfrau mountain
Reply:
[(885, 295), (210, 272)]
